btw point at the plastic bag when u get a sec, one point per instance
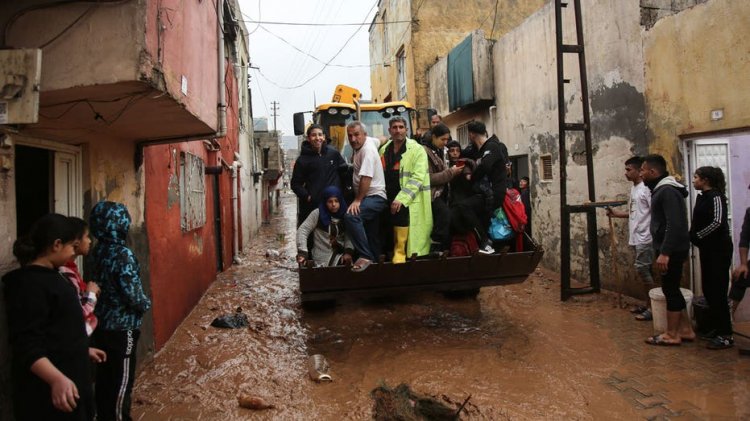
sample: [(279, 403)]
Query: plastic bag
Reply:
[(500, 229)]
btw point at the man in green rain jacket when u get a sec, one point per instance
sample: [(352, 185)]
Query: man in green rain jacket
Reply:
[(407, 185)]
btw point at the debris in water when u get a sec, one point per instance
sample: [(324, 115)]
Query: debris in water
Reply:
[(317, 368), (402, 403), (231, 321), (254, 402)]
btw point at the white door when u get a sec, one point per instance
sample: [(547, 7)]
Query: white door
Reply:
[(67, 188), (701, 153)]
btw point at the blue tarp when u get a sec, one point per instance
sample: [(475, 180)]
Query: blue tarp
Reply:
[(460, 75)]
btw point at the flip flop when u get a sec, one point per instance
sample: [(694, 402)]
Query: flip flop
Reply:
[(658, 340), (361, 264), (638, 309)]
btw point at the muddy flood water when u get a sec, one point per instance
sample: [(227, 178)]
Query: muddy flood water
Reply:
[(517, 350)]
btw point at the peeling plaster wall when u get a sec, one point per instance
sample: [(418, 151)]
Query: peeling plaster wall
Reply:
[(526, 98), (697, 61), (101, 33)]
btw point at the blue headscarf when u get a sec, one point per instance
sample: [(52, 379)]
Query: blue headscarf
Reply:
[(325, 216)]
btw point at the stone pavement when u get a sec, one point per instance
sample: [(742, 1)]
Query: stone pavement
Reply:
[(687, 382)]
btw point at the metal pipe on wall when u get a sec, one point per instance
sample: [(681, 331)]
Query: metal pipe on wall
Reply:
[(221, 130)]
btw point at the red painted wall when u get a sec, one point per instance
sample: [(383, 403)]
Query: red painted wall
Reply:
[(186, 46), (183, 264)]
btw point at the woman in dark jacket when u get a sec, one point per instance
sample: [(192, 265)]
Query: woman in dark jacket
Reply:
[(710, 233), (318, 166), (440, 176)]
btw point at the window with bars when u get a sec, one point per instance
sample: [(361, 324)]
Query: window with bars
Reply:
[(462, 132), (545, 162), (192, 192)]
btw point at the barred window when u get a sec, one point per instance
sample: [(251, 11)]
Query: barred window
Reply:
[(192, 192), (545, 162), (463, 134)]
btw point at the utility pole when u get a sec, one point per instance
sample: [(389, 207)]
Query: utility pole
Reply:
[(274, 109)]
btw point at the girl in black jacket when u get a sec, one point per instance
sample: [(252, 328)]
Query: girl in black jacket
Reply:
[(710, 233)]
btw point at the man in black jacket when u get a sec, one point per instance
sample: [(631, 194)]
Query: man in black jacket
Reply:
[(319, 165), (671, 240), (490, 175)]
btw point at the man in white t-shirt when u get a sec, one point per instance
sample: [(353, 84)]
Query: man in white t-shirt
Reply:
[(363, 216), (639, 223)]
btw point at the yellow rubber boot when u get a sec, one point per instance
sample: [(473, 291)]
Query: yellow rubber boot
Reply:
[(400, 235)]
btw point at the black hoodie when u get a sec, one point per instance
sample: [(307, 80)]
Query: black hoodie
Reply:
[(314, 172), (669, 225)]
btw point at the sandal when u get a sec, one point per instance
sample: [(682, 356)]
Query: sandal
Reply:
[(659, 340), (645, 316), (638, 309), (361, 264)]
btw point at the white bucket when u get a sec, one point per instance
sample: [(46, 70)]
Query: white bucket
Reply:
[(659, 307)]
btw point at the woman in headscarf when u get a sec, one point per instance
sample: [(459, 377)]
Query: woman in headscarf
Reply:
[(331, 246)]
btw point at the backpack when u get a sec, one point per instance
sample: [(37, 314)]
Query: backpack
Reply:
[(464, 245), (516, 213)]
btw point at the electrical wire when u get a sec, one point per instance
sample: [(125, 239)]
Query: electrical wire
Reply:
[(494, 19), (259, 19), (259, 22), (315, 58), (9, 23), (56, 37), (326, 64)]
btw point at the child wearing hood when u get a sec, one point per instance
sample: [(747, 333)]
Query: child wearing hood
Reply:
[(120, 309), (331, 246)]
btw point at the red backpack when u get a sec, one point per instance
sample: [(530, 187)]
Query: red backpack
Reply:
[(516, 212), (464, 245)]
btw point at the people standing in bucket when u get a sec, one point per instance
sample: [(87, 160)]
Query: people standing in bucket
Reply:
[(318, 166), (671, 240), (639, 228), (440, 178), (407, 186), (368, 181), (740, 276), (50, 364), (120, 310), (710, 233)]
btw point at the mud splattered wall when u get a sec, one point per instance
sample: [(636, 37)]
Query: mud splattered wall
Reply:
[(650, 81), (526, 98)]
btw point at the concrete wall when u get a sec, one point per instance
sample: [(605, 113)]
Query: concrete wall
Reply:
[(695, 62), (526, 95), (67, 61)]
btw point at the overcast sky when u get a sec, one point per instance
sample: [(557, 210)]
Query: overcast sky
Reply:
[(283, 66)]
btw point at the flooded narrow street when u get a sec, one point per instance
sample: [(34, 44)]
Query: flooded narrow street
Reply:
[(518, 351)]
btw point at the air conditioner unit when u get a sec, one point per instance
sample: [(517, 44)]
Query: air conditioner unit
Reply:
[(20, 75)]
